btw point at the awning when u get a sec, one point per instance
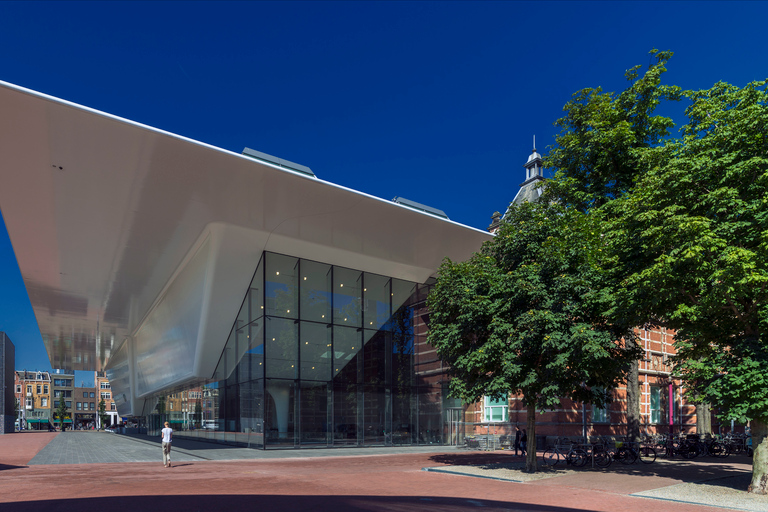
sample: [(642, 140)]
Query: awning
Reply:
[(38, 420)]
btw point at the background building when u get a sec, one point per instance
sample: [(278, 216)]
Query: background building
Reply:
[(63, 386), (85, 403), (104, 389), (7, 377), (34, 392)]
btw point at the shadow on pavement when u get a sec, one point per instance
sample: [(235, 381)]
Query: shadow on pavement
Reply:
[(229, 503), (3, 467), (712, 471)]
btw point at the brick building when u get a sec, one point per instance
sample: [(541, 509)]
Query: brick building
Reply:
[(104, 389), (663, 406), (85, 410), (33, 390)]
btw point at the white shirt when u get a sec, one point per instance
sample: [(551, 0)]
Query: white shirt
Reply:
[(167, 431)]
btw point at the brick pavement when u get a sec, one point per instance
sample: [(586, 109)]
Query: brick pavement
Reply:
[(368, 480)]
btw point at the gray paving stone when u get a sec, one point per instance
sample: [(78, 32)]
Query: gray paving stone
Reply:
[(75, 447)]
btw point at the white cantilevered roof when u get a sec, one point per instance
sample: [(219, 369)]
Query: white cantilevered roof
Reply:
[(102, 213)]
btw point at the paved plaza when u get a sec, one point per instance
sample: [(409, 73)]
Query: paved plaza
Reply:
[(96, 471)]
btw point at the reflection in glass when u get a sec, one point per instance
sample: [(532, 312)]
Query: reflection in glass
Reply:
[(315, 284), (281, 281), (282, 348), (314, 413), (346, 346), (347, 291), (376, 301), (310, 362), (345, 408), (316, 351), (280, 412)]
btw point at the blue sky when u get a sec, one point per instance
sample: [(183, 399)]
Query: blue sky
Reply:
[(433, 101)]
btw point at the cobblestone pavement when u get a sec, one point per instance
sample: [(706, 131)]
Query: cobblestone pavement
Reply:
[(84, 447), (66, 472)]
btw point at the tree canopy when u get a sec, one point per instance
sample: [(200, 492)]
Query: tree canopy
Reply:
[(697, 222), (597, 155), (686, 227), (524, 315)]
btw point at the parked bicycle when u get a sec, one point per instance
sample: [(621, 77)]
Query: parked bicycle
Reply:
[(630, 452), (573, 456)]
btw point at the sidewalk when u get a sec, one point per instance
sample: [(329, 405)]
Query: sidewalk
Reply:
[(37, 470)]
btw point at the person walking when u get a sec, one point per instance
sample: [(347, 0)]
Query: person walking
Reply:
[(167, 435), (517, 440), (524, 443)]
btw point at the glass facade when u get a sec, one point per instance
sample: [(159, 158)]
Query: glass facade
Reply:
[(323, 356)]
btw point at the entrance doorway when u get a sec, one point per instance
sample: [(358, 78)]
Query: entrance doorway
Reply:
[(454, 419)]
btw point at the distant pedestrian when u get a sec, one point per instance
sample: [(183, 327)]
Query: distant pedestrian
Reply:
[(524, 443), (167, 435), (517, 440)]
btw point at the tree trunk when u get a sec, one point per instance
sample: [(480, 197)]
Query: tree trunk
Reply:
[(759, 483), (633, 401), (530, 447), (703, 418)]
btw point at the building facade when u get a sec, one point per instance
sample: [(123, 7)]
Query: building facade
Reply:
[(85, 401), (104, 389), (63, 389), (663, 404), (7, 379), (323, 356), (34, 392)]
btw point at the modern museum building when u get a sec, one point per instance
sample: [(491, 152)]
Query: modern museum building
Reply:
[(297, 305)]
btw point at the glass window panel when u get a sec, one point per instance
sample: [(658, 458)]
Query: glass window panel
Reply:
[(315, 284), (347, 343), (347, 291), (345, 408), (282, 348), (376, 358), (254, 304), (655, 405), (316, 351), (251, 364), (403, 428), (251, 396), (314, 413), (430, 414), (280, 413), (375, 424), (247, 328), (403, 293), (281, 285), (376, 301)]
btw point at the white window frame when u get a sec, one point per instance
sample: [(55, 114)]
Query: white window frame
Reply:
[(491, 408)]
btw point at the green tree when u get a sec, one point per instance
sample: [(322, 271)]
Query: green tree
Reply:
[(103, 417), (524, 316), (598, 157), (61, 412), (692, 238)]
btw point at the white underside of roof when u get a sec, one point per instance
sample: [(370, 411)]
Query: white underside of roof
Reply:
[(104, 214)]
